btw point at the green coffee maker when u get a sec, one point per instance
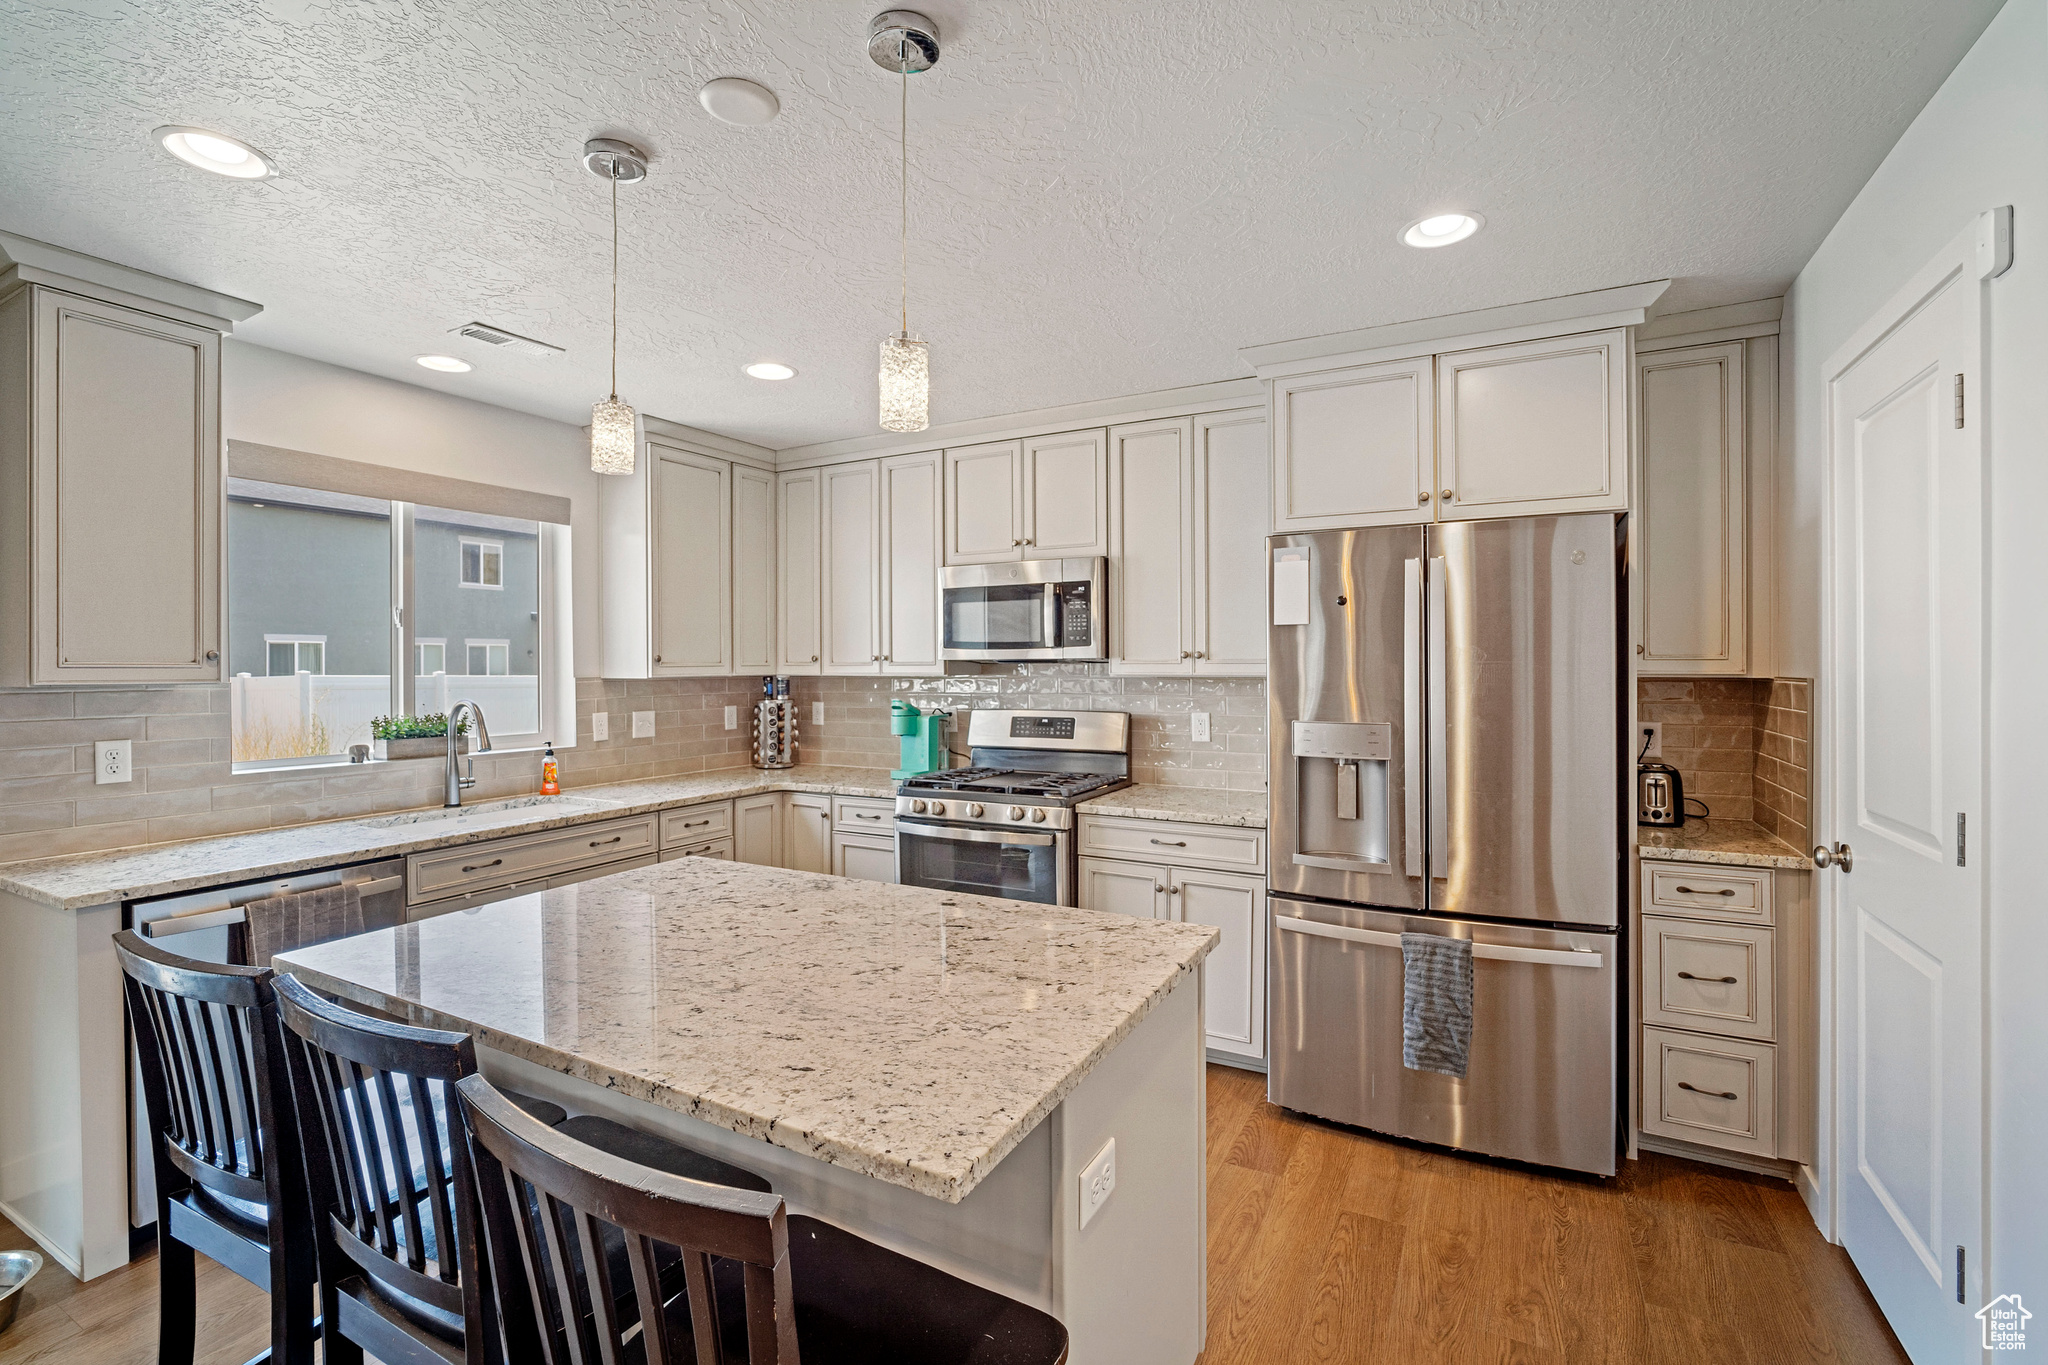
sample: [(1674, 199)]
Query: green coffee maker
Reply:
[(923, 736)]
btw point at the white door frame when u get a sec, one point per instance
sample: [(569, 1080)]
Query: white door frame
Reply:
[(1980, 252)]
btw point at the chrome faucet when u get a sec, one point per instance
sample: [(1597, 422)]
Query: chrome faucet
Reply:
[(456, 782)]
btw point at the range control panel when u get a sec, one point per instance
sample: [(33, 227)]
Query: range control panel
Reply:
[(1041, 727)]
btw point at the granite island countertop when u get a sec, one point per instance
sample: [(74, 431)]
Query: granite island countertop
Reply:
[(1194, 805), (1732, 843), (915, 1036), (78, 880)]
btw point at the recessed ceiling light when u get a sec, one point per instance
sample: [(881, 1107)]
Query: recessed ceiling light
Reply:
[(733, 99), (1441, 229), (768, 369), (214, 152), (447, 364)]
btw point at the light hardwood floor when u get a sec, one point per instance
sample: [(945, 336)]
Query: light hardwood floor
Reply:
[(1327, 1244)]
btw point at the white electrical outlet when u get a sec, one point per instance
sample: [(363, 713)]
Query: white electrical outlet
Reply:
[(732, 717), (113, 760), (1098, 1181), (817, 713), (643, 725), (600, 725), (1653, 731), (1198, 723)]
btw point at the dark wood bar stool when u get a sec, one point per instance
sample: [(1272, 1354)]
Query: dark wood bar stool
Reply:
[(224, 1142), (760, 1286)]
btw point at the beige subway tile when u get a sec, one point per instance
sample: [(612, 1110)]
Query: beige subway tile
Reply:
[(208, 824), (1720, 784), (55, 787), (45, 734), (169, 753), (114, 808), (37, 815), (16, 763), (186, 775), (35, 706), (185, 726), (157, 701), (1663, 689), (54, 843)]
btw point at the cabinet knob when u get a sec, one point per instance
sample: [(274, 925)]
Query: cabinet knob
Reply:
[(1447, 495), (814, 658), (213, 656), (1157, 887), (1015, 543), (874, 658), (1186, 654), (1029, 541), (657, 658), (1422, 497)]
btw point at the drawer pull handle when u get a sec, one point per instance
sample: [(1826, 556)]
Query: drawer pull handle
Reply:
[(692, 824), (1171, 843), (1715, 1094), (858, 816), (478, 867), (1724, 980), (600, 843), (1688, 891)]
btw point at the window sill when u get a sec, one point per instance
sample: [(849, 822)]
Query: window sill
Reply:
[(520, 745)]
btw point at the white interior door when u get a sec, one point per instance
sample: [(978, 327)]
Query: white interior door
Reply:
[(1906, 730)]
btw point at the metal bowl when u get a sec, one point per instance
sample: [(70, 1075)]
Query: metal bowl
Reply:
[(17, 1268)]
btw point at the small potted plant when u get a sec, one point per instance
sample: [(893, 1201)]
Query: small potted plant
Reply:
[(416, 736)]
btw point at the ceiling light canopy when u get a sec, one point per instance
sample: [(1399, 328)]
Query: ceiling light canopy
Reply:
[(446, 364), (216, 152), (734, 99), (1441, 229), (768, 369)]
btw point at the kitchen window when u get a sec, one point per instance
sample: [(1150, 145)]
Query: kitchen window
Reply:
[(344, 605)]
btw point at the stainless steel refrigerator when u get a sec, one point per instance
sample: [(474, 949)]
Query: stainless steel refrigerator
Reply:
[(1446, 743)]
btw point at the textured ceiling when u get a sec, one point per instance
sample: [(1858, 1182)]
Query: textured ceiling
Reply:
[(1107, 197)]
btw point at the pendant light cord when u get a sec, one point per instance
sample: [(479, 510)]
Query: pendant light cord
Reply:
[(615, 279), (903, 143)]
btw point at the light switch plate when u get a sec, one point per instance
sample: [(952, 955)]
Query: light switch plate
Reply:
[(1654, 731), (817, 713), (600, 725), (113, 760), (1198, 724), (643, 725), (1098, 1181), (732, 717)]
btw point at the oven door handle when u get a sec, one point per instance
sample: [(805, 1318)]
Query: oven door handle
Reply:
[(1026, 837)]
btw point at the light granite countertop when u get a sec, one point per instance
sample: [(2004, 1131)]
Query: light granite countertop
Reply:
[(78, 880), (1196, 805), (912, 1035), (1732, 843)]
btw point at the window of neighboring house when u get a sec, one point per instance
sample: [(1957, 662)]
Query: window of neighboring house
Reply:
[(489, 658), (370, 597), (289, 654), (483, 564)]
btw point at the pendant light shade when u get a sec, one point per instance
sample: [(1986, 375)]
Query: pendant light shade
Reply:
[(906, 383), (614, 426)]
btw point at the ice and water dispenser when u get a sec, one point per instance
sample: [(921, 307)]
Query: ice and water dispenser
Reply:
[(1341, 771)]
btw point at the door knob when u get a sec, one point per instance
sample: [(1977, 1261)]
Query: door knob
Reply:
[(1841, 855)]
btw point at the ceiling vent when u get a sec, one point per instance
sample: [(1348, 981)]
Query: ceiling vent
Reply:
[(507, 341)]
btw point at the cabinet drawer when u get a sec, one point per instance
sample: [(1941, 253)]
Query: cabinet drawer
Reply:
[(1218, 846), (1725, 893), (710, 848), (695, 824), (477, 867), (863, 817), (1708, 976), (1718, 1091)]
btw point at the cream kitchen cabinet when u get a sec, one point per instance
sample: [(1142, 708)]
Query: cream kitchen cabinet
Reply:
[(1186, 570), (753, 570), (1354, 447), (913, 542), (807, 832), (110, 454), (1536, 428), (863, 857), (851, 554), (879, 544), (757, 829), (1041, 497), (799, 577)]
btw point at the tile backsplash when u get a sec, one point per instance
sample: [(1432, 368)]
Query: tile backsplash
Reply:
[(856, 728), (1739, 744)]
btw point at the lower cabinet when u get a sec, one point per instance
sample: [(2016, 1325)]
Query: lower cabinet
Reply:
[(1234, 980), (864, 857), (807, 833), (757, 829)]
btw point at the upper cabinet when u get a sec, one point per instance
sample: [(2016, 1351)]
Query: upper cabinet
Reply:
[(1538, 428), (1531, 428), (110, 452), (852, 537), (799, 577), (1187, 578), (1039, 498), (859, 580), (912, 541), (688, 560)]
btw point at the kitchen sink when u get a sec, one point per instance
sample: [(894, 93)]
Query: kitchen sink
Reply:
[(566, 805)]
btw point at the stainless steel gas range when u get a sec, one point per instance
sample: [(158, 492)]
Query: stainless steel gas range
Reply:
[(1005, 826)]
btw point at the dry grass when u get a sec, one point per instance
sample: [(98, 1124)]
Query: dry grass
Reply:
[(264, 738)]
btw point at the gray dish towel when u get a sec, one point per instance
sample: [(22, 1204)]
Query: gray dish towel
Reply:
[(301, 919), (1436, 1003)]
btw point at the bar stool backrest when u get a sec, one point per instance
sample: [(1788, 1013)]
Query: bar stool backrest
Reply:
[(540, 1190)]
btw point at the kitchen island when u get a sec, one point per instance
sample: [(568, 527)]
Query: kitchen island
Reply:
[(932, 1071)]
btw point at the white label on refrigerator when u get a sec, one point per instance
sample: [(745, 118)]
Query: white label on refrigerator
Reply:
[(1290, 585)]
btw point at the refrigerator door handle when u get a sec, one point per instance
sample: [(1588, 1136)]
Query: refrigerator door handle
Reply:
[(1496, 952), (1411, 713), (1436, 609)]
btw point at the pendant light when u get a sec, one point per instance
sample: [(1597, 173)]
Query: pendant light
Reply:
[(905, 42), (614, 426)]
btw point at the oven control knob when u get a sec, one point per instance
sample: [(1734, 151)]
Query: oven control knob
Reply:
[(917, 807), (1016, 812), (975, 810), (1038, 816), (938, 808)]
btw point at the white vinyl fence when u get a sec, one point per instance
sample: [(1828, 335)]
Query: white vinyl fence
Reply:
[(308, 714)]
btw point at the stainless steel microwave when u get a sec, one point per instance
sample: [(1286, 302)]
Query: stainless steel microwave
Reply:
[(1028, 609)]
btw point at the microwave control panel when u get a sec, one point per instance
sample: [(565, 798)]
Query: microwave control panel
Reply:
[(1075, 614)]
